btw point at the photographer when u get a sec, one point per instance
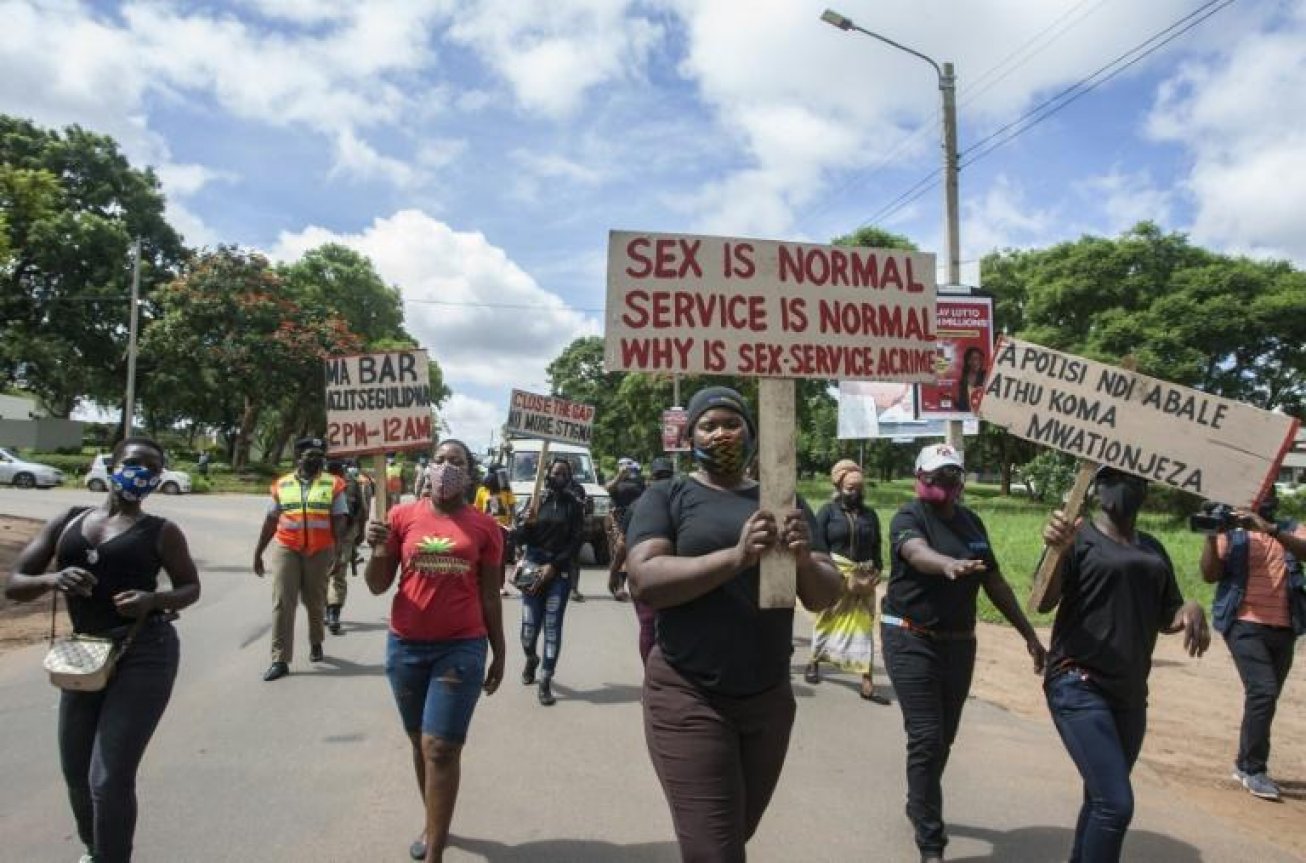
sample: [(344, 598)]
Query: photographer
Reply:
[(1260, 609)]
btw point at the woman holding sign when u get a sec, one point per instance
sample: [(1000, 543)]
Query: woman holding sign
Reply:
[(1117, 591), (552, 531), (718, 705), (446, 612), (941, 558)]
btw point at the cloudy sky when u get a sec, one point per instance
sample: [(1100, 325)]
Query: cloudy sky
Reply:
[(480, 150)]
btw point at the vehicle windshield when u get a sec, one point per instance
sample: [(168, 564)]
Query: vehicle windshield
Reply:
[(525, 464)]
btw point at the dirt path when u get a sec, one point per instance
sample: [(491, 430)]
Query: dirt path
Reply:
[(1192, 737)]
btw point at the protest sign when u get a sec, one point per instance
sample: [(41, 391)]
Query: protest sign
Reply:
[(377, 403), (1213, 447), (761, 308), (673, 430), (550, 418), (964, 344)]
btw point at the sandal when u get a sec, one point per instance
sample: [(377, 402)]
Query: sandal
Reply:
[(812, 673), (868, 693)]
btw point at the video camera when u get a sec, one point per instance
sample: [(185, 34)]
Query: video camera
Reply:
[(1214, 518)]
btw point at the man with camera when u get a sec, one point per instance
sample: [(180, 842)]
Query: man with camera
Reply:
[(1260, 608)]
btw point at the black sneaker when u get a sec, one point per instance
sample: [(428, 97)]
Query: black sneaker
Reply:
[(546, 692), (528, 673), (315, 653)]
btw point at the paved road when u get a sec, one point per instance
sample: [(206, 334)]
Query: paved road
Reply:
[(315, 767)]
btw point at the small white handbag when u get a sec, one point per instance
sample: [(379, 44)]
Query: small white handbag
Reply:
[(81, 663)]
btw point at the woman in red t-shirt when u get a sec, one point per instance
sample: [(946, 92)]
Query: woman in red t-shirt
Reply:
[(447, 556)]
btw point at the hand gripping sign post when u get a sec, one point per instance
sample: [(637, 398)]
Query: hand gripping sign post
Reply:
[(771, 310), (378, 403), (1213, 447), (550, 418)]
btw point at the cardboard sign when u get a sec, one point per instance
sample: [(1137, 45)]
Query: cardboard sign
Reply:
[(550, 418), (674, 421), (378, 403), (760, 308), (1214, 447), (964, 331)]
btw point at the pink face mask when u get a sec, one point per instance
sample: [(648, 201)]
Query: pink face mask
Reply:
[(447, 480), (937, 494)]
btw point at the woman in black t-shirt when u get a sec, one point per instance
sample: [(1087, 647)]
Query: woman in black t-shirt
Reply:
[(551, 532), (623, 491), (718, 705), (109, 558), (1117, 591), (941, 558)]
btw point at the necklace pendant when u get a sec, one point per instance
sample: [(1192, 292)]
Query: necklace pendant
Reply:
[(92, 557)]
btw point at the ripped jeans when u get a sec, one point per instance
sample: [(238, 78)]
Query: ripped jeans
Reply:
[(547, 609), (436, 684)]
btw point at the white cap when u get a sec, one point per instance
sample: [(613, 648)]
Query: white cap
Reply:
[(938, 455)]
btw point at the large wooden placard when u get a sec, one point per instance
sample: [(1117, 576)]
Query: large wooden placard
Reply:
[(378, 403), (762, 308), (1214, 447), (550, 418)]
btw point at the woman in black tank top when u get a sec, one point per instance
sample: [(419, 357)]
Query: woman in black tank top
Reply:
[(109, 559)]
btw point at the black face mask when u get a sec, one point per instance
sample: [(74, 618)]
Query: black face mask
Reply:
[(559, 483), (852, 499), (313, 465), (1121, 499)]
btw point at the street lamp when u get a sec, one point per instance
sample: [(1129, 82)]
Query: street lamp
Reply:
[(948, 90)]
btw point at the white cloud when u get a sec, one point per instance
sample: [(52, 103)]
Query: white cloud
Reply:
[(1237, 115), (552, 55), (483, 318), (1125, 199), (1003, 217), (473, 421), (556, 166)]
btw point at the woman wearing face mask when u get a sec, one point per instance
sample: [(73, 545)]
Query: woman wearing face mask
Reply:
[(718, 705), (551, 531), (844, 633), (1117, 591), (447, 555), (109, 558), (941, 558)]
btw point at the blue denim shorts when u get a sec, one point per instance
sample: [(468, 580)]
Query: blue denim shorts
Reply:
[(436, 683)]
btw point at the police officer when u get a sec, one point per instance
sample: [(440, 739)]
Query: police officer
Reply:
[(307, 517), (338, 585)]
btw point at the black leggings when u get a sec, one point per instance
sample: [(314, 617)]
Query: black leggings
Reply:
[(102, 738)]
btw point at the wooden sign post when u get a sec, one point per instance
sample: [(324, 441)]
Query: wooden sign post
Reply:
[(376, 404), (773, 310), (1214, 447)]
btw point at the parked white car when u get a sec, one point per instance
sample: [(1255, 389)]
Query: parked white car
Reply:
[(97, 478), (27, 474)]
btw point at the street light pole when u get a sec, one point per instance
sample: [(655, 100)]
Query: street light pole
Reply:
[(129, 410), (952, 233)]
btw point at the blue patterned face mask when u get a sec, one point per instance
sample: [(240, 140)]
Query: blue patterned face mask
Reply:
[(133, 482)]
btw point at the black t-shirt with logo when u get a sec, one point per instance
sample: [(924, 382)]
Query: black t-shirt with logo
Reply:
[(721, 641), (925, 599), (1115, 600)]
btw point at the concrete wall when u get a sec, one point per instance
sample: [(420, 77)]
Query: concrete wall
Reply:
[(42, 435)]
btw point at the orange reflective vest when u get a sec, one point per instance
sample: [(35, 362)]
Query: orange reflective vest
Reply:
[(304, 520)]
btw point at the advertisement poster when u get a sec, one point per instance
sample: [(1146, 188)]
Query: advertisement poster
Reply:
[(674, 421), (964, 328), (884, 410)]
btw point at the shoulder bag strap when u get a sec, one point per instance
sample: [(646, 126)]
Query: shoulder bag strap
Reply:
[(73, 514)]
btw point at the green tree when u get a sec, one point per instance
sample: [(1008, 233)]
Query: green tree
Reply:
[(338, 279), (73, 204)]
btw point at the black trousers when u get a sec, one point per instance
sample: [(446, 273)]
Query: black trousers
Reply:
[(1263, 655), (718, 758), (931, 679)]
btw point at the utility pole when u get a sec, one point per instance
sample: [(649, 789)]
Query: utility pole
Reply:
[(129, 411), (952, 230)]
